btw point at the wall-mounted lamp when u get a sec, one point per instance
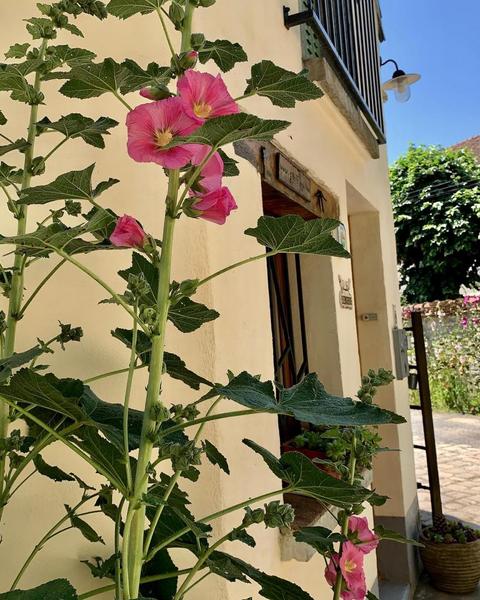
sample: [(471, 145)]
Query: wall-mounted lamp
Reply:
[(400, 82)]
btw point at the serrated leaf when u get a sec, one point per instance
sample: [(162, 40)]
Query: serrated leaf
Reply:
[(7, 365), (85, 529), (52, 472), (216, 457), (8, 174), (320, 538), (241, 535), (28, 387), (12, 79), (94, 79), (292, 234), (272, 587), (123, 9), (73, 29), (393, 536), (72, 57), (232, 128), (174, 520), (77, 126), (106, 455), (155, 496), (17, 51), (142, 266), (20, 144), (307, 401), (166, 588), (306, 479), (230, 165), (75, 185), (174, 365), (136, 78), (188, 316), (3, 119), (59, 589), (283, 88), (224, 53)]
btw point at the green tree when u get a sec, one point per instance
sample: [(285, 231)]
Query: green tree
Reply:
[(436, 202)]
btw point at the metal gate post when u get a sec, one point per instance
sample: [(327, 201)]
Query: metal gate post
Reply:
[(427, 416)]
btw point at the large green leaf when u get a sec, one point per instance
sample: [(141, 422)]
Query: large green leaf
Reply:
[(72, 57), (13, 79), (307, 401), (293, 234), (282, 87), (216, 457), (77, 126), (50, 471), (106, 455), (17, 51), (187, 315), (94, 79), (127, 8), (166, 588), (60, 589), (17, 360), (136, 77), (85, 528), (272, 588), (74, 185), (393, 536), (320, 538), (174, 365), (28, 387), (173, 520), (45, 239), (306, 479), (232, 128), (20, 144), (223, 52)]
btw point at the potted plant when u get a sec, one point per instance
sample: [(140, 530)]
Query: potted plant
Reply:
[(330, 448), (451, 556)]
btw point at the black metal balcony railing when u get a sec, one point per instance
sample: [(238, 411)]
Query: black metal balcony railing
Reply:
[(349, 29)]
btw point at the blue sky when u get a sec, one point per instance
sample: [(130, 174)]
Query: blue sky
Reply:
[(440, 39)]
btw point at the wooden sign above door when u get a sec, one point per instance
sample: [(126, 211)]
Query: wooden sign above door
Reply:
[(288, 179)]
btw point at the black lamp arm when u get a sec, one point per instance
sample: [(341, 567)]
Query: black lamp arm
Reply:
[(390, 60), (300, 18)]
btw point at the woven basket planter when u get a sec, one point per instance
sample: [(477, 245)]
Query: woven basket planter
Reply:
[(453, 568)]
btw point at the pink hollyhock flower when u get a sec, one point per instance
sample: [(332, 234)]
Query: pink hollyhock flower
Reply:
[(351, 566), (128, 233), (205, 96), (151, 127), (357, 593), (367, 540), (212, 172), (215, 206)]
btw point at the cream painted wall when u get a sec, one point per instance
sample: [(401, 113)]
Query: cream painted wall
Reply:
[(321, 140)]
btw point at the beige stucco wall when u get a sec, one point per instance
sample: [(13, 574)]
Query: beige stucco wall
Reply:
[(321, 140)]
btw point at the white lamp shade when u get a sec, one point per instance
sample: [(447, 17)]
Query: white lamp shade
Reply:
[(400, 85)]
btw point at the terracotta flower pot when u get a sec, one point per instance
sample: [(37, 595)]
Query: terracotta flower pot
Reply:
[(453, 568), (311, 454)]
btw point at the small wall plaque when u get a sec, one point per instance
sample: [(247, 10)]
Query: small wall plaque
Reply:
[(293, 178), (346, 296)]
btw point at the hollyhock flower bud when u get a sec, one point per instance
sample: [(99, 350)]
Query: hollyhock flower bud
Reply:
[(205, 96), (128, 233), (152, 127), (154, 93), (331, 570), (187, 60), (367, 540), (215, 206)]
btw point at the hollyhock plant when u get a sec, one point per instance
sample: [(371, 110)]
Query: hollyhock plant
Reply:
[(128, 233), (365, 539), (152, 127), (215, 206), (212, 173), (205, 96)]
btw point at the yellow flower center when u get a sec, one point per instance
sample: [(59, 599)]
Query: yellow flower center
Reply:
[(202, 110), (350, 566), (163, 138)]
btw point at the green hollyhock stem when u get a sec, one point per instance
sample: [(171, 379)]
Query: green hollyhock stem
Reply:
[(133, 539), (352, 467), (16, 291)]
